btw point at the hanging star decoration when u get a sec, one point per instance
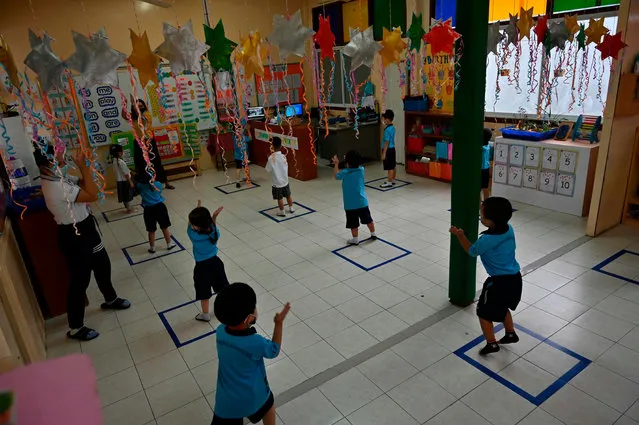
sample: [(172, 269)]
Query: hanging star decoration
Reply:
[(416, 32), (143, 59), (558, 34), (181, 48), (46, 64), (525, 23), (95, 60), (289, 35), (220, 50), (581, 37), (611, 46), (362, 48), (392, 46), (325, 38), (250, 53), (572, 26), (595, 31), (442, 38), (495, 37), (6, 59), (541, 29), (511, 30)]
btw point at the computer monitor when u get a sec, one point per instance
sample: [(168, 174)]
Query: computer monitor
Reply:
[(256, 113), (294, 110)]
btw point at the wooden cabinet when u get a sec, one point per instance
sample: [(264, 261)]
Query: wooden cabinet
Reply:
[(429, 135)]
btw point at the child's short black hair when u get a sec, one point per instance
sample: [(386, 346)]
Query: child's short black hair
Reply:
[(115, 149), (488, 134), (389, 115), (43, 154), (141, 176), (498, 210), (201, 218), (277, 143), (234, 304), (353, 159)]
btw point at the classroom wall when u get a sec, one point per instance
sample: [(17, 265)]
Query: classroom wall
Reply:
[(617, 136)]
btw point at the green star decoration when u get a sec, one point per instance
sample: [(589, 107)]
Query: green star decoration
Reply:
[(221, 47), (581, 37), (416, 32)]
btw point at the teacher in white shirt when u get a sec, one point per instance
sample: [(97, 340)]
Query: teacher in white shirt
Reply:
[(79, 237)]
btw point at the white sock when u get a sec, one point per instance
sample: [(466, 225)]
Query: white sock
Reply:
[(373, 234)]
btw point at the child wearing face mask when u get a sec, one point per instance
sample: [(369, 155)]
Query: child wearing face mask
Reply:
[(242, 387)]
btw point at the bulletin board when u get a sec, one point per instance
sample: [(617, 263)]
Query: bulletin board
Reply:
[(440, 87), (285, 83), (102, 112)]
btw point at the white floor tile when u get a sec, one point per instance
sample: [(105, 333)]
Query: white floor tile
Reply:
[(581, 341), (621, 360), (610, 388), (283, 375), (574, 407), (413, 284), (173, 394), (199, 352), (197, 412), (458, 414), (561, 307), (603, 324), (350, 391), (528, 377), (359, 309), (206, 376), (540, 417), (620, 308), (421, 397), (381, 411), (133, 410), (546, 279), (312, 408), (539, 321), (316, 358), (498, 404), (329, 323), (119, 386), (387, 370), (351, 341), (309, 306), (455, 375), (151, 346), (112, 362), (383, 325), (337, 294), (551, 360), (420, 351), (387, 296), (412, 311), (582, 293)]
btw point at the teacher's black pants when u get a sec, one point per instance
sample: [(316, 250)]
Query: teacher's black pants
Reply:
[(84, 253)]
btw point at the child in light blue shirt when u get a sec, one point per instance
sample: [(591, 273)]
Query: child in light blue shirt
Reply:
[(502, 290), (485, 163), (155, 212), (354, 195)]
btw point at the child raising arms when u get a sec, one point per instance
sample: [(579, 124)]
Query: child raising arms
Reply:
[(209, 269), (502, 290)]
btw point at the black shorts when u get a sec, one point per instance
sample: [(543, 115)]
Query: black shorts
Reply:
[(254, 418), (499, 294), (281, 192), (156, 214), (239, 163), (485, 178), (390, 162), (125, 193), (360, 215), (209, 274)]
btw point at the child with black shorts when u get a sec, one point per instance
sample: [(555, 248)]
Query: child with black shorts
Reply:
[(389, 156), (354, 194), (242, 387), (502, 290), (209, 269), (155, 212), (278, 167), (485, 164), (240, 155)]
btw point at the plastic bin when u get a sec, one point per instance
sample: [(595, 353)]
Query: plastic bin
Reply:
[(416, 104), (435, 170), (447, 172), (513, 133), (418, 168), (450, 151), (414, 144), (441, 150)]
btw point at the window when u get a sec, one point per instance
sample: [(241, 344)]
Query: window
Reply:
[(341, 95), (499, 10)]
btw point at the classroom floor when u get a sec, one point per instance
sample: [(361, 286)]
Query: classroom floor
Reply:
[(372, 338)]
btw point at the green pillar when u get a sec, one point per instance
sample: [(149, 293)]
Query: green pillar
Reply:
[(468, 124)]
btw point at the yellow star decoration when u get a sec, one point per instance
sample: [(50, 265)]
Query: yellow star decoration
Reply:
[(143, 58), (392, 46), (572, 26), (525, 23), (595, 31), (250, 53)]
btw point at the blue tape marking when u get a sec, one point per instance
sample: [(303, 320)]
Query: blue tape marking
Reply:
[(169, 329), (293, 216), (599, 267), (370, 184), (367, 269), (253, 186), (180, 248), (106, 218), (545, 394)]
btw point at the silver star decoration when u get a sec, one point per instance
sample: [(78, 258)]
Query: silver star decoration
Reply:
[(181, 48), (289, 35), (362, 48), (95, 60), (495, 37), (511, 30), (558, 34), (44, 62)]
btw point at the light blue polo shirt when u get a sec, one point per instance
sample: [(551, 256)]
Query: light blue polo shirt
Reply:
[(497, 252), (151, 195), (242, 387), (239, 148), (485, 157), (204, 246), (389, 136), (353, 188)]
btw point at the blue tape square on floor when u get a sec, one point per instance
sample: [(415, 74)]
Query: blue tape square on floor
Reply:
[(289, 216), (363, 244), (160, 252), (374, 184), (123, 215), (172, 332), (230, 188), (545, 394), (600, 267)]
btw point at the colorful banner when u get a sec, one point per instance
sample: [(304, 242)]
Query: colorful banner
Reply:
[(285, 82), (102, 112), (287, 141), (440, 86)]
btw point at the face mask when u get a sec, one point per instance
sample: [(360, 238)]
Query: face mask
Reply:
[(253, 320)]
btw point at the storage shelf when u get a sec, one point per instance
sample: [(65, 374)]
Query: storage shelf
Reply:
[(432, 136), (430, 114)]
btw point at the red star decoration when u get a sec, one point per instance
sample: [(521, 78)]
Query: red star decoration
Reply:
[(325, 38), (610, 46), (442, 38), (541, 29)]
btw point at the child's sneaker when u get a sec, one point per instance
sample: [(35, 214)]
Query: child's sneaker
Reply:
[(281, 213), (170, 245), (490, 348), (353, 241), (203, 317), (152, 250), (238, 185), (291, 210), (373, 236), (386, 185), (509, 338)]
